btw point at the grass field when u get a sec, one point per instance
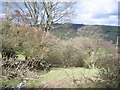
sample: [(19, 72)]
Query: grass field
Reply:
[(56, 78), (59, 77)]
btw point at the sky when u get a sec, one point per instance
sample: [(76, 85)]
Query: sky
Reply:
[(101, 12)]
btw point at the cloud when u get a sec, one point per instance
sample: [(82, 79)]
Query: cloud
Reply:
[(97, 12), (104, 12), (2, 15)]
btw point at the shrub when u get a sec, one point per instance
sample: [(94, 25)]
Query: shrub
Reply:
[(71, 55), (93, 48), (109, 67), (8, 41), (27, 40), (55, 58)]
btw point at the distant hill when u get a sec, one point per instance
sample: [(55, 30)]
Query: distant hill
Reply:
[(69, 30)]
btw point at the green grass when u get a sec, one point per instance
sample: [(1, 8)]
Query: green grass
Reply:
[(21, 57), (54, 74), (10, 83), (34, 83), (70, 72), (61, 73)]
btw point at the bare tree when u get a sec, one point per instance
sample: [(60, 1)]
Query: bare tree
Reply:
[(44, 14)]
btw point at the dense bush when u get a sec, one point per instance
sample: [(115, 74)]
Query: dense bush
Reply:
[(63, 54), (93, 45), (30, 41), (9, 48), (109, 68), (55, 58), (83, 50), (71, 55)]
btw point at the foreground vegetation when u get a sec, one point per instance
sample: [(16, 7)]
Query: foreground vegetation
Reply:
[(58, 76), (37, 58)]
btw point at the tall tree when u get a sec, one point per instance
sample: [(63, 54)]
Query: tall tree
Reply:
[(44, 14)]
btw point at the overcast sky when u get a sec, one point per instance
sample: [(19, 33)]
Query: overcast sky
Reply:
[(103, 12), (97, 12)]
